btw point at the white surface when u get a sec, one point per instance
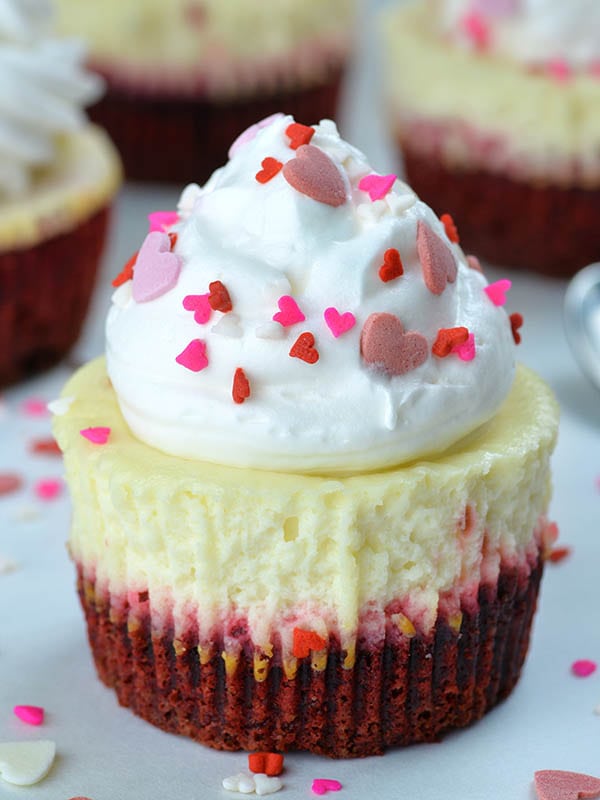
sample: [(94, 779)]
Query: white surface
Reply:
[(106, 753)]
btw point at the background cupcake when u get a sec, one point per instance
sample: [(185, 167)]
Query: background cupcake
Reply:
[(186, 77), (58, 175), (496, 107)]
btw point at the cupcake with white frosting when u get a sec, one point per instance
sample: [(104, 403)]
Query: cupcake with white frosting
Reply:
[(58, 175), (309, 483), (496, 107)]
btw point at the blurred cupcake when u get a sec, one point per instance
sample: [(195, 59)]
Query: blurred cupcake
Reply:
[(496, 106), (185, 78), (58, 175)]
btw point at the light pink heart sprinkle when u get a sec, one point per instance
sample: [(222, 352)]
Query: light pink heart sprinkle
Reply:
[(98, 435), (160, 220), (339, 323), (324, 785), (249, 134), (583, 668), (556, 784), (156, 268), (34, 407), (466, 350), (376, 185), (194, 356), (32, 715), (48, 488), (289, 313), (198, 303), (497, 291)]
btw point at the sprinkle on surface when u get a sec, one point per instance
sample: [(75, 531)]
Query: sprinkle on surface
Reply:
[(555, 784), (299, 134), (558, 554), (126, 273), (304, 348), (26, 763), (194, 357), (289, 312), (268, 763), (392, 265), (305, 642), (583, 667), (516, 321), (34, 407), (377, 186), (48, 488), (199, 304), (10, 482), (45, 447), (467, 350), (156, 269), (449, 338), (338, 323), (31, 715), (314, 174), (218, 297), (96, 435), (240, 390), (450, 228), (160, 220), (386, 346), (437, 261), (270, 168), (497, 291), (324, 785)]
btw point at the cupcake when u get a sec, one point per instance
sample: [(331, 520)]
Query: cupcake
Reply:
[(495, 105), (58, 175), (309, 482), (186, 77)]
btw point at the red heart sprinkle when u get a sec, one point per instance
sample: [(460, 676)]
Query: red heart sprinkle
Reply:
[(47, 447), (218, 297), (392, 265), (447, 339), (126, 273), (516, 320), (555, 784), (270, 168), (270, 764), (437, 261), (299, 134), (241, 386), (558, 554), (314, 174), (305, 641), (304, 348), (450, 228), (385, 345)]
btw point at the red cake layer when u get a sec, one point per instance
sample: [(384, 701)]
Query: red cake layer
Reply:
[(400, 691), (44, 295), (541, 227)]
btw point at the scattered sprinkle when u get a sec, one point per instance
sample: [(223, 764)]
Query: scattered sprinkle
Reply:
[(270, 168), (198, 303), (559, 70), (466, 351), (304, 348), (558, 554), (555, 784), (126, 273), (449, 338), (314, 174), (48, 488), (26, 513), (160, 220), (497, 291), (26, 763), (97, 435), (305, 641), (34, 407), (194, 356), (289, 312), (241, 386), (392, 265), (476, 29), (386, 346), (324, 785), (268, 763), (339, 323), (474, 263), (7, 565), (437, 261), (377, 186), (156, 268), (10, 482), (45, 447), (218, 297), (450, 228), (516, 321), (60, 406), (299, 134), (247, 784), (583, 668), (32, 715)]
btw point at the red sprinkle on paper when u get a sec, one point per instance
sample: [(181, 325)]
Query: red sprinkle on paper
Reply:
[(48, 488), (194, 356), (270, 168), (558, 554), (10, 482), (98, 435), (46, 447), (126, 273), (583, 668), (218, 297), (34, 407), (32, 715), (450, 228), (556, 784), (299, 134), (516, 321), (241, 386), (304, 348), (447, 339), (270, 764), (305, 641), (392, 265)]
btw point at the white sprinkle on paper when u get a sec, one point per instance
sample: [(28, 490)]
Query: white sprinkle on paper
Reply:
[(60, 406)]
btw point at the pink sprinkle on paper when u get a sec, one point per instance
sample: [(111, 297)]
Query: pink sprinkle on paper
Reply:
[(48, 488), (98, 435), (161, 220), (559, 70), (497, 291), (377, 186), (583, 668), (194, 356), (32, 715), (476, 29), (34, 407), (324, 785), (466, 350), (198, 303)]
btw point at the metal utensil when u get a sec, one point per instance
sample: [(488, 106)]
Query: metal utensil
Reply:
[(582, 320)]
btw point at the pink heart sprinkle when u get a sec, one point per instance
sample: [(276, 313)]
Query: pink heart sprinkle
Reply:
[(376, 185), (160, 220), (339, 323), (156, 268), (559, 70), (97, 435), (34, 407), (194, 356), (556, 784), (198, 303), (48, 488), (466, 350), (32, 715), (324, 785), (583, 667), (250, 133), (497, 291), (476, 29), (289, 313)]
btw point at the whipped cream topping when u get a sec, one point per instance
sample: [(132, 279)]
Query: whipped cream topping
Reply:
[(535, 32), (42, 91), (297, 321)]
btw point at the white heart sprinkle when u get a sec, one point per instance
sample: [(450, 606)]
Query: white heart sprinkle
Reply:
[(242, 783), (60, 406), (266, 785), (25, 763), (399, 203)]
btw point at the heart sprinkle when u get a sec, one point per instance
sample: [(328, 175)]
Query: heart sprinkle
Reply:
[(385, 345), (314, 174), (159, 220), (558, 554), (392, 265), (324, 785), (248, 784), (270, 764), (126, 273), (34, 407), (516, 321), (26, 763), (194, 356), (377, 186), (497, 291), (299, 134), (556, 784), (270, 168), (10, 482), (156, 268), (450, 228), (447, 339), (339, 323), (289, 312), (199, 304), (45, 447), (304, 348), (241, 386), (583, 668), (32, 715), (437, 261), (466, 351), (48, 488), (218, 297), (97, 435), (305, 641)]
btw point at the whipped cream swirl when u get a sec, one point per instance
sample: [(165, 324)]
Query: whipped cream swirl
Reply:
[(43, 88), (339, 283)]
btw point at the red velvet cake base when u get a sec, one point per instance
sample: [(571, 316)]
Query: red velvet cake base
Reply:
[(185, 140), (545, 228), (400, 691), (44, 295)]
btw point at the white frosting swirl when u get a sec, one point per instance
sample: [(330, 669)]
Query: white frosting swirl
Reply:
[(531, 31), (42, 90), (267, 240)]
